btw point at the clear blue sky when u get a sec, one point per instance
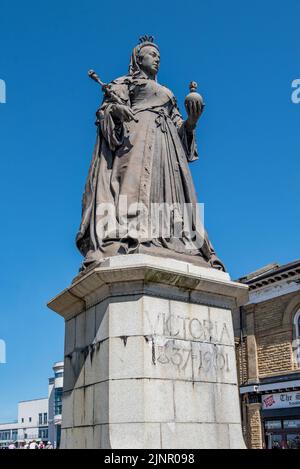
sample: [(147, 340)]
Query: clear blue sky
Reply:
[(244, 56)]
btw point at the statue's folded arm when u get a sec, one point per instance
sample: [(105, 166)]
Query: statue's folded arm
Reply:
[(112, 128)]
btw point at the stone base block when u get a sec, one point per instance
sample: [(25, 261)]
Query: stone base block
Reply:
[(149, 356)]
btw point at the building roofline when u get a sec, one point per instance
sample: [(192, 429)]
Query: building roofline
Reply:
[(272, 275), (32, 400), (267, 269), (58, 364)]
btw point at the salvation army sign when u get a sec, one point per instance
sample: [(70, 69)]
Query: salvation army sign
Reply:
[(281, 400)]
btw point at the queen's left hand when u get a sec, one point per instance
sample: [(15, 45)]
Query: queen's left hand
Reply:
[(194, 108)]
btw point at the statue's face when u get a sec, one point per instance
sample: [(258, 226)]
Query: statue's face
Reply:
[(149, 60)]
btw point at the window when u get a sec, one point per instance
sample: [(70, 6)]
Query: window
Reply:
[(30, 419), (22, 420), (297, 336), (40, 419), (59, 374), (291, 423), (14, 435), (5, 435), (58, 401), (45, 418), (43, 433), (273, 424), (58, 435)]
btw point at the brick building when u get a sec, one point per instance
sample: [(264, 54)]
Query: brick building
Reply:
[(267, 334)]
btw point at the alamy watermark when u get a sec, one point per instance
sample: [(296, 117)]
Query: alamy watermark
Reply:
[(2, 92), (175, 221), (2, 351), (295, 96)]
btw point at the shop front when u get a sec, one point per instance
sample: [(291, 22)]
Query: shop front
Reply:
[(281, 420)]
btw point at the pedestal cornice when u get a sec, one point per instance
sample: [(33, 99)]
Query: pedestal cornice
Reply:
[(139, 273)]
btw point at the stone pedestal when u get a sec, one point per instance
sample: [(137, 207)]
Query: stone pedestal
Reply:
[(149, 356)]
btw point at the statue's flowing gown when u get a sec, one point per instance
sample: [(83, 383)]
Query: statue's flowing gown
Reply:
[(142, 164)]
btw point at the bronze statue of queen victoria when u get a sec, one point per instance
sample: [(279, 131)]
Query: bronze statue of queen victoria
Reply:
[(141, 159)]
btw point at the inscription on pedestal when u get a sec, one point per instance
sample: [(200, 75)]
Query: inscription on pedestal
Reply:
[(185, 328), (180, 355), (192, 346)]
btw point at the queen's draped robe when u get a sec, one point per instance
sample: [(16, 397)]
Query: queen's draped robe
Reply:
[(142, 163)]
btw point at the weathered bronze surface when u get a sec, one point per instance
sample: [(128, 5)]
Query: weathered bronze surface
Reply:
[(141, 155)]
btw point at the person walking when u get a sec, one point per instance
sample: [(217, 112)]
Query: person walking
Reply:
[(33, 445)]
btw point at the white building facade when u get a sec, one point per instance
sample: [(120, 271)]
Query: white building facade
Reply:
[(38, 419), (33, 420), (55, 403)]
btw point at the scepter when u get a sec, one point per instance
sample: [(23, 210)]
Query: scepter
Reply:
[(106, 88), (93, 75)]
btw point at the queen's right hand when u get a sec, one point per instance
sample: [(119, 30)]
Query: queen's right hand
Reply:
[(122, 113)]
